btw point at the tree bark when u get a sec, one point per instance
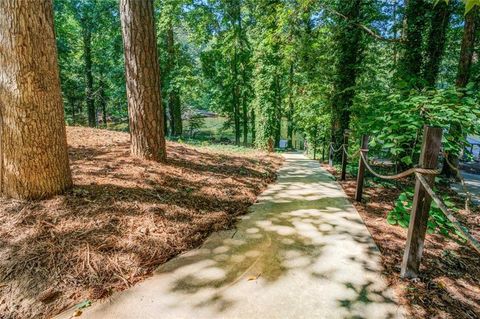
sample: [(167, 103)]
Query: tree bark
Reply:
[(33, 145), (143, 80), (349, 57), (410, 64), (467, 49), (463, 77), (436, 41)]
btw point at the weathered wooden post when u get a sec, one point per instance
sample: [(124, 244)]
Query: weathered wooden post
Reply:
[(361, 169), (432, 139), (323, 149), (344, 155), (330, 155)]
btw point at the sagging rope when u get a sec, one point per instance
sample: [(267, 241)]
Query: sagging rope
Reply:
[(404, 174), (456, 224), (336, 150)]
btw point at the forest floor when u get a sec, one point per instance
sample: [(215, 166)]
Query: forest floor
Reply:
[(449, 283), (123, 218)]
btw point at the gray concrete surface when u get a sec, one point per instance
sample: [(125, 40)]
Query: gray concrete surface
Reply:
[(302, 252), (472, 181)]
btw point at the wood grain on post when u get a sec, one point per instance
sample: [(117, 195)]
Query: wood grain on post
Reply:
[(361, 169), (432, 138), (344, 156)]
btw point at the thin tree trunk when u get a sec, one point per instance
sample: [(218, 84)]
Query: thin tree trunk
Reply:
[(33, 144), (143, 80), (235, 97), (245, 120), (278, 111), (290, 109), (87, 57), (463, 77), (252, 126), (174, 103)]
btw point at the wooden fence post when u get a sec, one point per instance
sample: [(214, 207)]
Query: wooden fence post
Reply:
[(361, 169), (432, 139), (344, 156), (330, 155), (323, 149)]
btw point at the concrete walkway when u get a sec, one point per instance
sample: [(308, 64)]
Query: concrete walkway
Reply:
[(303, 252), (472, 181)]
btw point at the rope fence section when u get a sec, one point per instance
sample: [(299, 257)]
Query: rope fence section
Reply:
[(336, 150), (404, 174), (427, 167), (456, 224)]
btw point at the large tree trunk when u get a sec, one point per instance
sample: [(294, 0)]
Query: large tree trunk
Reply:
[(143, 80), (174, 103), (349, 57), (33, 144), (87, 57), (436, 41), (463, 77)]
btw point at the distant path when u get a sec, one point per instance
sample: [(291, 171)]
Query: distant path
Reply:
[(303, 252), (472, 181)]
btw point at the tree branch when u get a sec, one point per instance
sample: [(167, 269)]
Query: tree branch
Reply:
[(363, 27)]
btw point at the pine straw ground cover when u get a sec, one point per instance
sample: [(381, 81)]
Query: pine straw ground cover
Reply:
[(123, 218), (449, 283)]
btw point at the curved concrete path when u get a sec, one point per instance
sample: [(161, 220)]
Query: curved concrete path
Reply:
[(303, 252)]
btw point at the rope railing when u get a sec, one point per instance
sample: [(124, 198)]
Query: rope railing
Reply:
[(432, 137), (336, 150), (455, 223), (403, 174)]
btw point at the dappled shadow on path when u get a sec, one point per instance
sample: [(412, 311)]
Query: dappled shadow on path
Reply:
[(303, 251)]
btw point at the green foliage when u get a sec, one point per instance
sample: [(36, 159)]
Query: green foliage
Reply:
[(396, 121), (437, 221)]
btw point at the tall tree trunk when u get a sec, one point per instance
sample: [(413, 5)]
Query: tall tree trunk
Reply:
[(174, 103), (143, 80), (33, 144), (436, 41), (252, 125), (102, 101), (245, 120), (278, 111), (463, 77), (290, 108), (467, 49), (235, 97), (410, 64), (87, 57), (349, 57)]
